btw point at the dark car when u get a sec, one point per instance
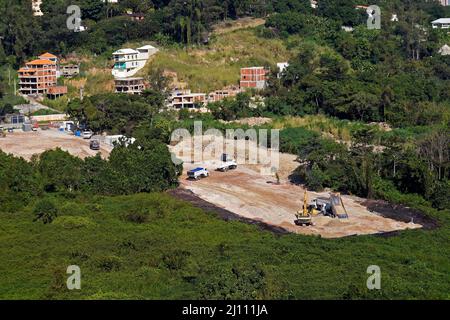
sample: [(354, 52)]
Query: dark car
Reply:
[(94, 145)]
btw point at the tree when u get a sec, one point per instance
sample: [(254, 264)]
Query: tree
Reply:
[(59, 170)]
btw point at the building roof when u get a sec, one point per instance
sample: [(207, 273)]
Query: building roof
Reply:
[(252, 68), (41, 62), (128, 79), (26, 70), (126, 51), (441, 20), (47, 55), (146, 47)]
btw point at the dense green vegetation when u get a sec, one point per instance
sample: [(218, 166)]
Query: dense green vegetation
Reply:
[(143, 166), (154, 247)]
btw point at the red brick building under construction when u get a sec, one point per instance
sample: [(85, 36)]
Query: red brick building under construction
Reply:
[(39, 75), (253, 77)]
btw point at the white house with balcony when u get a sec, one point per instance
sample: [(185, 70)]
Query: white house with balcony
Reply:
[(127, 62), (442, 23)]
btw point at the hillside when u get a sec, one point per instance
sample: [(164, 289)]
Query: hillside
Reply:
[(218, 64)]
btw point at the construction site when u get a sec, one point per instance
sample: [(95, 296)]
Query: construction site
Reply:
[(278, 204), (270, 199)]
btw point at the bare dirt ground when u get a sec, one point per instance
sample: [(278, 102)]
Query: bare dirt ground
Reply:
[(256, 197), (25, 144), (229, 26)]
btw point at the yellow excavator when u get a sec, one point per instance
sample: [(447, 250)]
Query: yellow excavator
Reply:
[(304, 217), (334, 207)]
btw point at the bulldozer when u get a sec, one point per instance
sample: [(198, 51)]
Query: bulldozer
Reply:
[(304, 217)]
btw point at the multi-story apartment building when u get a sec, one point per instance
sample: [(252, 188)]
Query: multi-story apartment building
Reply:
[(445, 2), (127, 62), (253, 77), (37, 76)]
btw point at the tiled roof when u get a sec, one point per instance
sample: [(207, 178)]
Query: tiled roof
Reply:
[(41, 62), (47, 55)]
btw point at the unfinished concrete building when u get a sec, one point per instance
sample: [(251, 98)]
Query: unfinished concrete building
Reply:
[(219, 95), (37, 76), (129, 85), (184, 99), (56, 92), (70, 70)]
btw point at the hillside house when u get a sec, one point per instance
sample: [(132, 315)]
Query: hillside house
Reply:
[(127, 62), (442, 23)]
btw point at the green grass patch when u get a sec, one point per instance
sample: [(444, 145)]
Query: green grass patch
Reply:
[(181, 252)]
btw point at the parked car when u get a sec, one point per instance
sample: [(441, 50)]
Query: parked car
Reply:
[(198, 173), (87, 134), (94, 145)]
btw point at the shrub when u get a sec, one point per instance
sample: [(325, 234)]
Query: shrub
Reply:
[(45, 211), (136, 217), (109, 263), (175, 260)]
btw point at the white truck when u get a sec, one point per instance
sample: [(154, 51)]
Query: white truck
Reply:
[(198, 173), (227, 163)]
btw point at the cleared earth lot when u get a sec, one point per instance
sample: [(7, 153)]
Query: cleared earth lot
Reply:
[(247, 193), (25, 144), (258, 197)]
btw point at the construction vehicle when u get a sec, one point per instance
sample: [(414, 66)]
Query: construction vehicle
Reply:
[(337, 206), (304, 217), (332, 206)]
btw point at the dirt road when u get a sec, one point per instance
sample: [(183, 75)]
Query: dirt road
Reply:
[(25, 144)]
